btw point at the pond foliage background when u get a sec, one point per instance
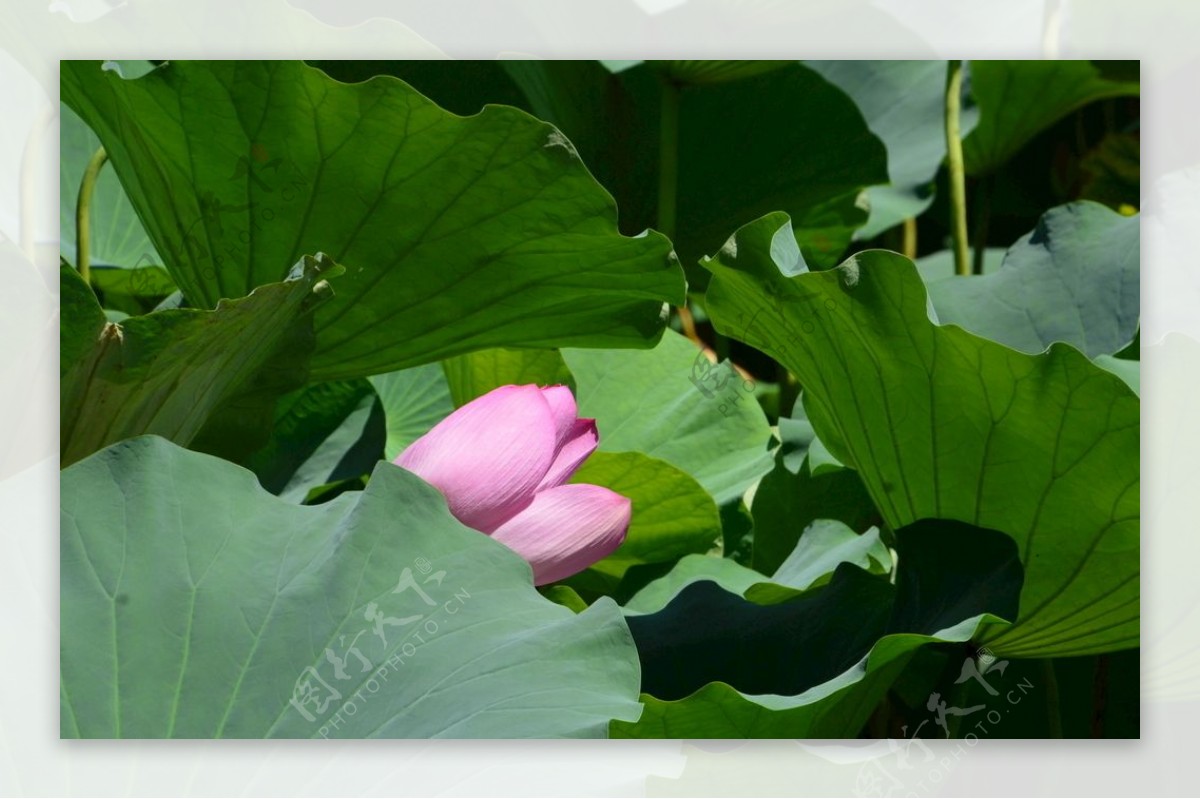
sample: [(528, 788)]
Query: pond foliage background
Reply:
[(860, 340)]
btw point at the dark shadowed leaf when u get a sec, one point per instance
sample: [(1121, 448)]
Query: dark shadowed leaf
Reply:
[(807, 151), (324, 433), (1019, 99), (719, 666)]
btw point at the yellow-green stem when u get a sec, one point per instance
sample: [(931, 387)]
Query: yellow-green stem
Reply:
[(957, 169), (909, 242), (83, 206)]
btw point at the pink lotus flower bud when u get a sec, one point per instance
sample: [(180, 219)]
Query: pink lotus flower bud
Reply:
[(502, 462)]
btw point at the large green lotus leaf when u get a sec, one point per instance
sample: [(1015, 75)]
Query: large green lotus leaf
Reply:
[(462, 86), (813, 163), (718, 666), (196, 605), (939, 423), (457, 233), (1073, 279), (173, 372), (476, 373), (116, 234), (673, 515), (322, 433), (1019, 99), (413, 401), (912, 130), (665, 402)]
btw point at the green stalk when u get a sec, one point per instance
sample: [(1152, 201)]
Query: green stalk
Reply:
[(82, 216), (909, 240), (957, 169)]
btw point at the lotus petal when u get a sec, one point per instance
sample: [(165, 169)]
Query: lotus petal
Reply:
[(566, 529), (489, 456)]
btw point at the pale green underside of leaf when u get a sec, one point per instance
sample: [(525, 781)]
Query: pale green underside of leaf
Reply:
[(117, 237), (325, 465), (823, 545), (413, 400), (940, 265), (1073, 279), (942, 424), (194, 603)]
